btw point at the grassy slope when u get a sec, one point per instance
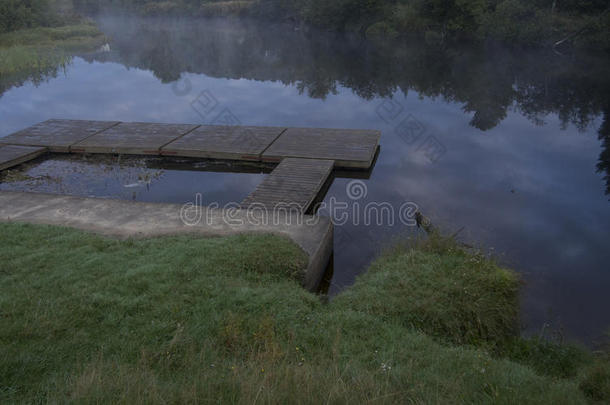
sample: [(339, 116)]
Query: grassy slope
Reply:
[(84, 318)]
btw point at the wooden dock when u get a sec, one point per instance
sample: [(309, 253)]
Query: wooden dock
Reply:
[(292, 186), (346, 147), (13, 155), (305, 156), (132, 138), (224, 142), (57, 135)]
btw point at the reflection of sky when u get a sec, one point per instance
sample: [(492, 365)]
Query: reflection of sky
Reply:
[(530, 192)]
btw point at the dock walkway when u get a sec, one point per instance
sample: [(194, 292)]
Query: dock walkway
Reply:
[(292, 185)]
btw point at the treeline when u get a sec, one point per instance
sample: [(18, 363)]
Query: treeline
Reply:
[(583, 22), (18, 14)]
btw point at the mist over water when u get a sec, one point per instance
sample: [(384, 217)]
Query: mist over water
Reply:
[(524, 136)]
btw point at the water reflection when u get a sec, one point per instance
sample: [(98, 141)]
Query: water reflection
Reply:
[(137, 178), (522, 132), (487, 81)]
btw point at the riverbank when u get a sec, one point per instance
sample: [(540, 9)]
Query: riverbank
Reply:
[(178, 319)]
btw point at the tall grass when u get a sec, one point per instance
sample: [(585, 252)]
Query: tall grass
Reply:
[(54, 36), (461, 297)]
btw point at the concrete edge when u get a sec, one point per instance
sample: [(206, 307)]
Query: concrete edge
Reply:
[(127, 219)]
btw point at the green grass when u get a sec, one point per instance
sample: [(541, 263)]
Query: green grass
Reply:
[(180, 320), (52, 36), (42, 49), (460, 297)]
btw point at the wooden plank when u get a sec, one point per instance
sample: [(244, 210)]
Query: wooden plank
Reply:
[(134, 138), (293, 184), (57, 135), (224, 142), (347, 147), (13, 155)]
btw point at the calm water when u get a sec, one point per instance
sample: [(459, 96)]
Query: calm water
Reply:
[(509, 147)]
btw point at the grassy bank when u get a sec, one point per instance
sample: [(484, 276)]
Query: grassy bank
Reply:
[(40, 49), (89, 319)]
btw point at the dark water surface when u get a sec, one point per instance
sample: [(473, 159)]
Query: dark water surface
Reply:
[(510, 147)]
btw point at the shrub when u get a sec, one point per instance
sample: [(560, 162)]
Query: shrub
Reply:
[(223, 8), (455, 15), (515, 20), (407, 18), (596, 381), (381, 28), (17, 14), (342, 14), (161, 8)]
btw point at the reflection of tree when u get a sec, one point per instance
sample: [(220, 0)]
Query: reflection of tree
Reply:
[(317, 87), (486, 90), (604, 157), (573, 88), (487, 81), (161, 57), (49, 66)]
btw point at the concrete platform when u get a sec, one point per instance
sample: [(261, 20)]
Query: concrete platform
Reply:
[(126, 219), (224, 142), (293, 184), (353, 148), (133, 138), (13, 155), (57, 135)]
